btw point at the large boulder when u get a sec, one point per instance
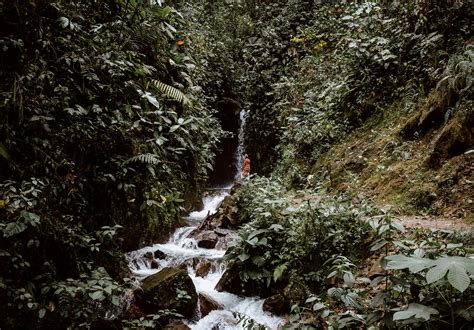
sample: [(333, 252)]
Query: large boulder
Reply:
[(231, 282), (207, 239), (207, 304), (159, 291)]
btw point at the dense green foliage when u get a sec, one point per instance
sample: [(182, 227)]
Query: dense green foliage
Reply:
[(103, 135), (312, 74), (333, 89), (283, 243), (107, 135)]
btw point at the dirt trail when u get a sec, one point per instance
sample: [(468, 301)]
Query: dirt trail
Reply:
[(413, 221), (431, 222)]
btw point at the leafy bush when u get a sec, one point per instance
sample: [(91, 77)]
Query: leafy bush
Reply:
[(425, 282), (282, 242), (102, 128)]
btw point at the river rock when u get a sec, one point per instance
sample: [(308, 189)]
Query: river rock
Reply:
[(203, 268), (227, 215), (160, 254), (207, 239), (230, 281), (207, 304), (158, 292), (154, 264), (177, 325), (276, 304), (148, 255)]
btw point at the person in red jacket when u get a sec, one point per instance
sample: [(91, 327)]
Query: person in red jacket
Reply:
[(245, 170)]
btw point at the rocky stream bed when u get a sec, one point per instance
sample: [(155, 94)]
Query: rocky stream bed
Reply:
[(186, 273)]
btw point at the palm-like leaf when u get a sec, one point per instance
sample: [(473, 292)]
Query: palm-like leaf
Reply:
[(172, 92), (150, 159)]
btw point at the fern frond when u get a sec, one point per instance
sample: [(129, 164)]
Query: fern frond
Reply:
[(149, 159), (172, 92)]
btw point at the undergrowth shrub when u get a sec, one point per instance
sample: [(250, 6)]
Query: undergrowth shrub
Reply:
[(282, 242), (103, 134)]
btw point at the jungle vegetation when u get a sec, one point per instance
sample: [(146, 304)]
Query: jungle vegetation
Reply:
[(109, 130)]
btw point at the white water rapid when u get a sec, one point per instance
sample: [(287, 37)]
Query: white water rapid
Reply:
[(239, 153), (181, 249)]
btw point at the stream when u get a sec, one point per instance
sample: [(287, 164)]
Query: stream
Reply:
[(180, 249)]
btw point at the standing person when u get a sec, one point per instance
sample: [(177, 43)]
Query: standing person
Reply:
[(245, 170)]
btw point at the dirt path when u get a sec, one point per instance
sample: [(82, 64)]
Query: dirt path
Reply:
[(431, 222), (427, 222)]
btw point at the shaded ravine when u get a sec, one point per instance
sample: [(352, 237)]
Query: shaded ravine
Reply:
[(181, 249)]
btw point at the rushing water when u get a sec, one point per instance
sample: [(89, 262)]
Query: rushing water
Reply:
[(181, 249), (239, 153)]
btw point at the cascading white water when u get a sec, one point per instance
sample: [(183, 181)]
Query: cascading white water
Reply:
[(239, 153), (180, 249)]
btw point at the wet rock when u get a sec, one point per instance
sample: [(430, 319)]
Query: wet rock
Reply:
[(276, 304), (226, 216), (207, 240), (160, 254), (195, 262), (203, 268), (158, 292), (207, 244), (177, 325), (148, 255), (223, 232), (230, 282), (154, 264), (207, 304)]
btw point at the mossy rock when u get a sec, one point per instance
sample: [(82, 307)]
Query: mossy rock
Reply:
[(454, 139), (159, 291)]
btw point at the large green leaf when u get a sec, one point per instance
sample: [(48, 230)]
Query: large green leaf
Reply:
[(415, 310), (4, 152), (414, 264), (257, 232), (278, 272), (457, 269)]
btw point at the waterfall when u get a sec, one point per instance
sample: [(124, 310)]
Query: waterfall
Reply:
[(239, 152)]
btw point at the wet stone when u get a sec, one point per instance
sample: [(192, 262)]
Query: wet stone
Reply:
[(160, 254), (203, 268), (207, 304), (207, 240), (154, 264), (158, 292)]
